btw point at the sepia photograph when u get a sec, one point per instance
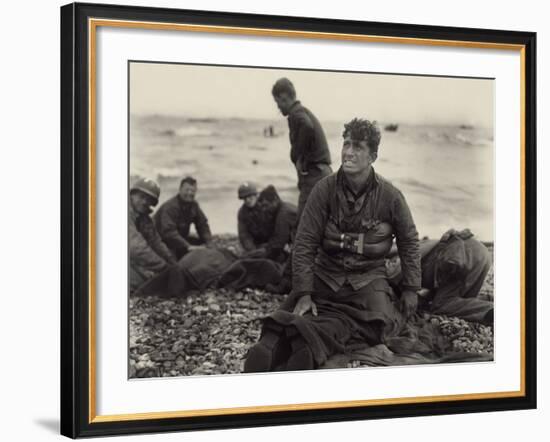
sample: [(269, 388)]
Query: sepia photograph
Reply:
[(286, 219)]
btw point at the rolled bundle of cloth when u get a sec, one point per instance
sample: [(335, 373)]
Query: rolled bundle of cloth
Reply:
[(211, 267), (375, 242)]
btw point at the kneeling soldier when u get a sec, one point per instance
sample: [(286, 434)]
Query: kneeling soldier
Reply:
[(340, 289)]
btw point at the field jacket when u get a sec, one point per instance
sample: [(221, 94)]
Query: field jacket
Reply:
[(329, 203), (308, 142), (148, 254), (173, 220)]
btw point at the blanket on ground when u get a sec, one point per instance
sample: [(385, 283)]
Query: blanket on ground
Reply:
[(418, 341), (209, 267), (424, 345), (251, 273)]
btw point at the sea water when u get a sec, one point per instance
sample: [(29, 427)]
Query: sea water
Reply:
[(446, 173)]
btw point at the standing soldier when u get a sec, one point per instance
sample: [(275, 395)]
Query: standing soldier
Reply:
[(308, 144), (148, 254)]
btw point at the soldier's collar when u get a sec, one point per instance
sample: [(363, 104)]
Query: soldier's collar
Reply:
[(295, 105), (372, 181)]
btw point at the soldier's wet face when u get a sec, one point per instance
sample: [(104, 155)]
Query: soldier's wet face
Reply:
[(142, 202), (284, 102), (356, 156), (251, 200), (187, 192)]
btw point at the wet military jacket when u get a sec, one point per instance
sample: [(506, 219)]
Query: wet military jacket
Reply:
[(173, 220), (307, 139), (330, 205), (284, 224), (148, 254), (272, 231), (253, 228)]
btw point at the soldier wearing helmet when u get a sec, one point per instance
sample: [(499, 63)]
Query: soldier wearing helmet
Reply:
[(148, 254), (249, 193), (251, 231), (265, 223)]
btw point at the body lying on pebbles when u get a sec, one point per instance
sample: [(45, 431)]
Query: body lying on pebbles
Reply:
[(209, 332)]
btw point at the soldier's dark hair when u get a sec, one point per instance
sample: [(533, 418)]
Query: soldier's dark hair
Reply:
[(269, 194), (189, 180), (359, 129), (283, 85)]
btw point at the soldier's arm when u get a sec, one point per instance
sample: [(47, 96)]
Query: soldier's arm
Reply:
[(305, 132), (168, 230), (201, 224), (141, 253), (309, 237), (158, 245), (281, 233), (407, 241), (245, 238)]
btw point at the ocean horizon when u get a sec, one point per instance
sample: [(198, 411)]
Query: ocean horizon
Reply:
[(446, 172)]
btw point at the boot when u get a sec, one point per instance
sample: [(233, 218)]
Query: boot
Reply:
[(301, 357), (269, 352)]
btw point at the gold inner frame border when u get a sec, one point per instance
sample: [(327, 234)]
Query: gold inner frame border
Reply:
[(93, 24)]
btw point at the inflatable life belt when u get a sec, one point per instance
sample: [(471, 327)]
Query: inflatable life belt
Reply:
[(374, 243)]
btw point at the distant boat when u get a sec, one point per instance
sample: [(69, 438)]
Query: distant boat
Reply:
[(466, 126), (391, 127)]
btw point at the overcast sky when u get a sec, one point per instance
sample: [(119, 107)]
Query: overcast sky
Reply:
[(215, 91)]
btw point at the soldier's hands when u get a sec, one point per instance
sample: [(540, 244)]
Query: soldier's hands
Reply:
[(304, 305), (409, 303)]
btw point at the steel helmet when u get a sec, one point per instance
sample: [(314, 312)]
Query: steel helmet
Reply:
[(147, 186)]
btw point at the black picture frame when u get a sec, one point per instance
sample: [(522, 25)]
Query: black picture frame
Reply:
[(76, 416)]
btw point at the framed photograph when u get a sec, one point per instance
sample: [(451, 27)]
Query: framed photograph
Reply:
[(273, 220)]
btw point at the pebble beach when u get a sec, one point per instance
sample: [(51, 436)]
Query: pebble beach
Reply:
[(209, 332)]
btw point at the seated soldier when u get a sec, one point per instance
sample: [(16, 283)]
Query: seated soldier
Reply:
[(453, 271), (340, 291), (174, 218), (265, 224), (280, 219), (253, 232), (148, 254)]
